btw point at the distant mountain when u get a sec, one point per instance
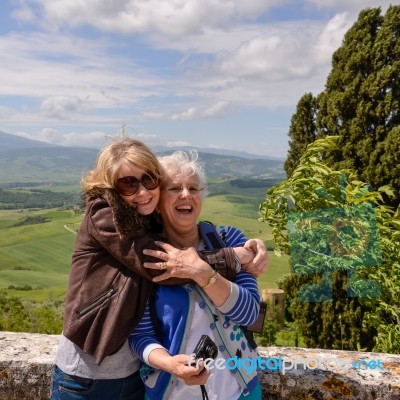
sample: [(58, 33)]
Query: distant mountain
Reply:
[(12, 142), (28, 161), (235, 153)]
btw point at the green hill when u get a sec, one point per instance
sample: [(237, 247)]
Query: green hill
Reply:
[(39, 186), (35, 258)]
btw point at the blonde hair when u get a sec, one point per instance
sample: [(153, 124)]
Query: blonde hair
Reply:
[(123, 151)]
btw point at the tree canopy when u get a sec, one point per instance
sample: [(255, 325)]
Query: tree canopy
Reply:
[(360, 104)]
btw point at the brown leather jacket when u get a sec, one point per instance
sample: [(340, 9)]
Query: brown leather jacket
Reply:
[(108, 287)]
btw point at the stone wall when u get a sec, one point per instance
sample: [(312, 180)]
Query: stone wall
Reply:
[(26, 362), (329, 375)]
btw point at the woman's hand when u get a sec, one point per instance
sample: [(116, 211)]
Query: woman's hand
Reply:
[(187, 264), (182, 365), (177, 263), (253, 256)]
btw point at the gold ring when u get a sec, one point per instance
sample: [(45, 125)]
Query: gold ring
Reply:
[(163, 265)]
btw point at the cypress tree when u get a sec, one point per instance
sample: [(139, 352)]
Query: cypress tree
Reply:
[(360, 103), (302, 131)]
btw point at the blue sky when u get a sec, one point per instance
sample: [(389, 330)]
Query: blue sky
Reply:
[(206, 73)]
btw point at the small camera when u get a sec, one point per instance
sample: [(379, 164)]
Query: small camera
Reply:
[(206, 348)]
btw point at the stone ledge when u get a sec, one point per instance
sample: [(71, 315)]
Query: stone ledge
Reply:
[(26, 361), (334, 378)]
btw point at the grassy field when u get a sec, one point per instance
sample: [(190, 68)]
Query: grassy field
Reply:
[(38, 256), (235, 210)]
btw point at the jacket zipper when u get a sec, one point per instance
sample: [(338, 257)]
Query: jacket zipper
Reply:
[(95, 304)]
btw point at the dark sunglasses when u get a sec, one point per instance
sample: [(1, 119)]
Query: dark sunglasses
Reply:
[(129, 185)]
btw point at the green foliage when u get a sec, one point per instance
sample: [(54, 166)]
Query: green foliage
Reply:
[(302, 131), (361, 100), (13, 315), (16, 317), (360, 104), (272, 324), (25, 287), (35, 198), (268, 335), (46, 319), (39, 219), (384, 314), (290, 336), (332, 259)]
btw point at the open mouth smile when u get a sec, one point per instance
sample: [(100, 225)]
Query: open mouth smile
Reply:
[(141, 203), (185, 208)]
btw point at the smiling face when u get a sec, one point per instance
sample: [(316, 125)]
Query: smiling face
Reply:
[(145, 201), (181, 202)]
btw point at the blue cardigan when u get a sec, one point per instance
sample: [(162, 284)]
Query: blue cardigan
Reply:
[(174, 308)]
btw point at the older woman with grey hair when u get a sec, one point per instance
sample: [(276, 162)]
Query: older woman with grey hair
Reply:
[(211, 305)]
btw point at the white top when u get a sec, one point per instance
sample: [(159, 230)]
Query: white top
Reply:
[(220, 380)]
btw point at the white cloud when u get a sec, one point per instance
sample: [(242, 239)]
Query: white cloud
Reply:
[(47, 135), (145, 136), (6, 112), (272, 68), (23, 13), (331, 38), (219, 109), (62, 107), (216, 110), (90, 139), (170, 17), (224, 61), (178, 143), (145, 61), (39, 66), (71, 139), (190, 113), (50, 135)]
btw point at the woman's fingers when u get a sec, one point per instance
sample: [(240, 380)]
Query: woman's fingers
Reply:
[(164, 246), (162, 266), (156, 253), (189, 370), (261, 261)]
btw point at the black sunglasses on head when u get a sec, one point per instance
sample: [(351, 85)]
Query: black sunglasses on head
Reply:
[(129, 185)]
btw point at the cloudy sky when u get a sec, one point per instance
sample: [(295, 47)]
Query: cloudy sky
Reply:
[(206, 73)]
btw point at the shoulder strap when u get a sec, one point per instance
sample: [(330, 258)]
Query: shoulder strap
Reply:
[(213, 241), (210, 236)]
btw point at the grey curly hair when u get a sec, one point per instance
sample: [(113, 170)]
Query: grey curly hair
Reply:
[(183, 164)]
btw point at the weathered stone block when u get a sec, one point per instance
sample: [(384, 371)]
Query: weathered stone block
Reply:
[(26, 362)]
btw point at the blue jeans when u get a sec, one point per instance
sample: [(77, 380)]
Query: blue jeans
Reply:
[(69, 387)]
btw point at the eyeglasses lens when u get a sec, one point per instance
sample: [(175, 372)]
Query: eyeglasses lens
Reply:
[(129, 185)]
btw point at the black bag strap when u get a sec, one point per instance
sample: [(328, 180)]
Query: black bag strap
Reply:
[(211, 239), (210, 236)]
